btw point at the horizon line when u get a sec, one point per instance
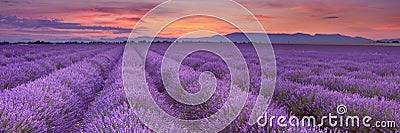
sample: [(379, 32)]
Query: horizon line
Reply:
[(115, 39)]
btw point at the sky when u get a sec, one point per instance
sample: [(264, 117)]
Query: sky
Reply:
[(109, 19)]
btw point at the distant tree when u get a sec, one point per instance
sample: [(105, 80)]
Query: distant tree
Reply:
[(143, 41), (5, 42), (39, 42), (379, 41), (395, 41)]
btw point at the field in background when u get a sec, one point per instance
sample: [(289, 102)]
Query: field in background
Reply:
[(78, 87)]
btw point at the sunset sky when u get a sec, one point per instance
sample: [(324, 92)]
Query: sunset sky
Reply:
[(107, 19)]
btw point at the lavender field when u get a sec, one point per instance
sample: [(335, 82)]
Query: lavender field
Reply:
[(79, 87)]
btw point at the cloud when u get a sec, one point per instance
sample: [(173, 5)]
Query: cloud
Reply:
[(8, 2), (133, 19), (331, 17), (121, 8), (49, 31), (389, 27), (264, 17), (312, 6), (276, 4), (57, 24), (396, 17), (260, 17)]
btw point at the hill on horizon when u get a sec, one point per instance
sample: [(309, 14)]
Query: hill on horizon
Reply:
[(274, 38)]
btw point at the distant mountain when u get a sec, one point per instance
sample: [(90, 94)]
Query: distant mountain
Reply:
[(299, 38), (275, 38), (317, 38)]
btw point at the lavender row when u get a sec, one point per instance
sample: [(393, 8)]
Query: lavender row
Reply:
[(383, 88), (363, 87), (370, 75), (110, 111), (318, 101), (44, 52), (19, 53), (381, 61), (55, 103), (22, 50), (17, 74)]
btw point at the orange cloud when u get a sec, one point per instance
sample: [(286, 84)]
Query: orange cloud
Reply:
[(186, 25), (259, 17), (389, 27), (396, 17), (317, 6)]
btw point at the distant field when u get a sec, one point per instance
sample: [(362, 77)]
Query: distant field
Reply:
[(79, 87)]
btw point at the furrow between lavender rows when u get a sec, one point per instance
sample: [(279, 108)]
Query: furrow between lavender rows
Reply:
[(110, 111)]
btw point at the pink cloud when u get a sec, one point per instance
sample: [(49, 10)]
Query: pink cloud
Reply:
[(389, 27)]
